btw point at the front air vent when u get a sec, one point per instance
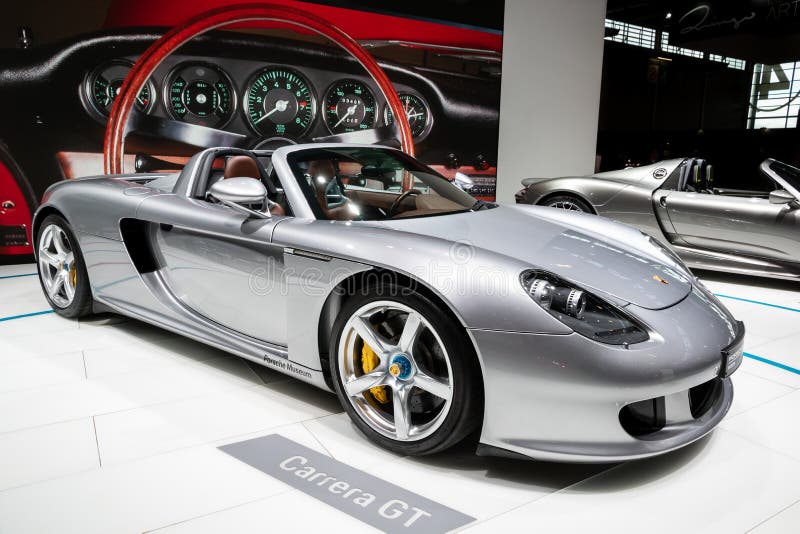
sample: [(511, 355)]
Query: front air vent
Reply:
[(643, 417), (703, 397)]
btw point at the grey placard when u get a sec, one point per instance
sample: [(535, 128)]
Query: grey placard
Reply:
[(352, 491)]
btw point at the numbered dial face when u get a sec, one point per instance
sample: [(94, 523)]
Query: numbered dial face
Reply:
[(104, 83), (349, 107), (279, 103), (417, 113), (199, 94)]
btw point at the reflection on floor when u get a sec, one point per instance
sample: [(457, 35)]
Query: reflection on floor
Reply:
[(110, 425)]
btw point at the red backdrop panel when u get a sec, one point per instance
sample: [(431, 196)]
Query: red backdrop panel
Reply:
[(358, 24), (13, 218)]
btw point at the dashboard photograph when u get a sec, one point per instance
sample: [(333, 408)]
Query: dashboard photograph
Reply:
[(272, 102), (253, 88)]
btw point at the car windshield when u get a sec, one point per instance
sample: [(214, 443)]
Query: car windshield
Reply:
[(790, 174), (373, 184)]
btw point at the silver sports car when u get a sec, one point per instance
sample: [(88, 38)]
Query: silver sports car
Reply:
[(754, 231), (433, 316)]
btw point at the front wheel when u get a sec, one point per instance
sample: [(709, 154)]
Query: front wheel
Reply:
[(62, 272), (406, 375), (567, 202)]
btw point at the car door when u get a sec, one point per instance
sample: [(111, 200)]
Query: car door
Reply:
[(221, 264), (736, 225), (15, 209)]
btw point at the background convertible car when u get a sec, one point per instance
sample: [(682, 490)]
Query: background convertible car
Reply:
[(752, 231), (568, 337)]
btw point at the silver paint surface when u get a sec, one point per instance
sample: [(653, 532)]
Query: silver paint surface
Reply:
[(550, 393), (724, 233)]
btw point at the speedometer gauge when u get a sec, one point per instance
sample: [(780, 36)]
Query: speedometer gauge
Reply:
[(349, 107), (199, 94), (279, 102), (417, 113), (102, 86)]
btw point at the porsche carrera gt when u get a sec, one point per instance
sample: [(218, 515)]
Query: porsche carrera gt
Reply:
[(433, 316)]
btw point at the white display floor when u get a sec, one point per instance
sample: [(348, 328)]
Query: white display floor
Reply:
[(112, 426)]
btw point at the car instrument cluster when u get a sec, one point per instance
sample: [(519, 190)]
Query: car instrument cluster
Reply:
[(275, 102)]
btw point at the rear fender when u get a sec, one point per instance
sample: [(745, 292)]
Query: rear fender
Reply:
[(593, 191), (95, 206)]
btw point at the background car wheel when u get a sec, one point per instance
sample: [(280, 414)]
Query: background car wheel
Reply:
[(567, 202), (406, 375), (62, 271)]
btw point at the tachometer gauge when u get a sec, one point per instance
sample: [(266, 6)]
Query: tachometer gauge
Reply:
[(102, 86), (417, 113), (349, 107), (279, 102), (199, 94)]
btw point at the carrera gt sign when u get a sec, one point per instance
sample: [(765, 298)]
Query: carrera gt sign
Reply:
[(376, 502)]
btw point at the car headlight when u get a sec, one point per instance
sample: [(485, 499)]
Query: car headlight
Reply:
[(582, 311)]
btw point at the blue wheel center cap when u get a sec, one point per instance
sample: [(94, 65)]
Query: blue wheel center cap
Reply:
[(400, 367)]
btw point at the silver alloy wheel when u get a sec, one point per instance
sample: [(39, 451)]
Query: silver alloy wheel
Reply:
[(57, 267), (568, 205), (400, 368)]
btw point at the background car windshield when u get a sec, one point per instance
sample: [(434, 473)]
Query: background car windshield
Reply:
[(788, 173), (367, 183)]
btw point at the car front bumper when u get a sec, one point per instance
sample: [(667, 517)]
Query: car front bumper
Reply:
[(567, 398)]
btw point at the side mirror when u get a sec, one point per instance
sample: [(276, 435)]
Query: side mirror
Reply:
[(233, 192), (781, 196)]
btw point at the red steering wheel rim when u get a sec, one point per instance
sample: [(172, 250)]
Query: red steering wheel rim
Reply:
[(114, 144)]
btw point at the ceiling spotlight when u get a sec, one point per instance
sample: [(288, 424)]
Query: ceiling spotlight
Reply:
[(669, 15)]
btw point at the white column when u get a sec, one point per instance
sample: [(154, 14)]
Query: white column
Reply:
[(550, 95)]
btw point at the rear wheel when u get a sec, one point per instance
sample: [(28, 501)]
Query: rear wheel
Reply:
[(62, 271), (405, 374), (567, 202)]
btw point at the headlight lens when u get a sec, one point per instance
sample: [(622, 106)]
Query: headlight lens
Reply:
[(585, 313)]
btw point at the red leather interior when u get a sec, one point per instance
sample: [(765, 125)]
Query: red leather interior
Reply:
[(322, 174), (241, 167)]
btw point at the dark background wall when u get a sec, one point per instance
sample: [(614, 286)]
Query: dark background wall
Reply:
[(653, 109), (51, 20)]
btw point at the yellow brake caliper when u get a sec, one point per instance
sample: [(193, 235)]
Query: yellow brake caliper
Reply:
[(369, 361), (73, 275)]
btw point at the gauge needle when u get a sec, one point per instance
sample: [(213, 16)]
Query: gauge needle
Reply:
[(413, 115), (141, 100), (350, 111), (280, 105)]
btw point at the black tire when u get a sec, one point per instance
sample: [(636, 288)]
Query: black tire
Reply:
[(560, 201), (81, 305), (466, 409)]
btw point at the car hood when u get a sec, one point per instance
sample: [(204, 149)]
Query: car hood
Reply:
[(593, 252)]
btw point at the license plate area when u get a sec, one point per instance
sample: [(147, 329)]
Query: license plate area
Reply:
[(13, 236), (733, 354)]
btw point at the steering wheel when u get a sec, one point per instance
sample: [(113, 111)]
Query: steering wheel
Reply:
[(400, 199), (125, 119)]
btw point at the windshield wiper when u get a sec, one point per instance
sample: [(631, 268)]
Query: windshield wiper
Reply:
[(479, 205)]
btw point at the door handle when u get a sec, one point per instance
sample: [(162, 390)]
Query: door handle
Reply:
[(8, 205)]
